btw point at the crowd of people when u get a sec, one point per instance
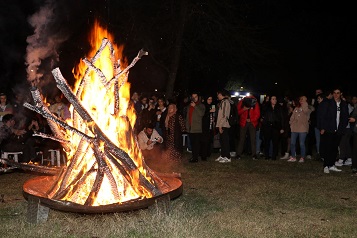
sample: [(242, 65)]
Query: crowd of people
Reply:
[(321, 127), (18, 124)]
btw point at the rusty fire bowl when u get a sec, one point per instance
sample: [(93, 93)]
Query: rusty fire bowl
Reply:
[(38, 187)]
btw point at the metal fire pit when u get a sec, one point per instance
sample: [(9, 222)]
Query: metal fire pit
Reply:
[(37, 187)]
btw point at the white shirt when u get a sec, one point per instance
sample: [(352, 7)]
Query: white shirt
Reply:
[(143, 140)]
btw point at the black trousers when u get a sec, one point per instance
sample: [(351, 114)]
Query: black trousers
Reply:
[(224, 140), (271, 134), (330, 142), (195, 139)]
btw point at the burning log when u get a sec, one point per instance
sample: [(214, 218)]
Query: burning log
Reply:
[(105, 165)]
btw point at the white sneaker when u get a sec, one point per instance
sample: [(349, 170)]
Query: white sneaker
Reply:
[(225, 160), (308, 157), (302, 160), (219, 159), (326, 170), (286, 156), (292, 159), (339, 163), (232, 154), (348, 162), (333, 168)]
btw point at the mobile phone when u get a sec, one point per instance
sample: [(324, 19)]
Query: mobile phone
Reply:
[(213, 106)]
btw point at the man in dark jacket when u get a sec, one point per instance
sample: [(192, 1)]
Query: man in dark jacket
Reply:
[(195, 112), (332, 119)]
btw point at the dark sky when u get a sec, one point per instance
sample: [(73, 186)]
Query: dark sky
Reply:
[(300, 45)]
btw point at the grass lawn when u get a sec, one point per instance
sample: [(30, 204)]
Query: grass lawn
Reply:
[(244, 198)]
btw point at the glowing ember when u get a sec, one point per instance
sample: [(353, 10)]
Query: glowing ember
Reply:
[(105, 165)]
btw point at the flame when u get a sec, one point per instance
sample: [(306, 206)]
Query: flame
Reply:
[(99, 101)]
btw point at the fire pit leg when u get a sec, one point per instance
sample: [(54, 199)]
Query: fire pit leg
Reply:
[(36, 213), (161, 205)]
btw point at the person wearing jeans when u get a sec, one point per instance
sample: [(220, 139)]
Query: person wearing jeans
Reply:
[(299, 125)]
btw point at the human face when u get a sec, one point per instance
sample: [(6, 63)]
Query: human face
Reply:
[(219, 96), (160, 102), (149, 131), (3, 99), (318, 91), (302, 100), (144, 100), (171, 108), (209, 100), (273, 100), (319, 99), (354, 100), (194, 97), (337, 95)]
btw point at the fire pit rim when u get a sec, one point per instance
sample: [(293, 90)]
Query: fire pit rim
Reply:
[(131, 205)]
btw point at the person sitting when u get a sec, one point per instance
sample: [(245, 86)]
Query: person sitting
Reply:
[(13, 140), (148, 138), (149, 142)]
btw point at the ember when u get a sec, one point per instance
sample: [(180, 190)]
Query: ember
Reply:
[(105, 165)]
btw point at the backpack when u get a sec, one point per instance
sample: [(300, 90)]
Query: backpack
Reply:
[(233, 115)]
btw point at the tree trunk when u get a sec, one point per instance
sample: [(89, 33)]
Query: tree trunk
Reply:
[(177, 50)]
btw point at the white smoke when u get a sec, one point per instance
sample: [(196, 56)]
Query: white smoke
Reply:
[(43, 43)]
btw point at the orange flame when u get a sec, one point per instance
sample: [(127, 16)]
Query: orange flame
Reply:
[(99, 101)]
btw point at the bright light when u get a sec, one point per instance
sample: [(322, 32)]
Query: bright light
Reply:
[(248, 94), (236, 94), (155, 90), (276, 82)]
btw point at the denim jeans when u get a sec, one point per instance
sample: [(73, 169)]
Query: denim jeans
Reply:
[(302, 137)]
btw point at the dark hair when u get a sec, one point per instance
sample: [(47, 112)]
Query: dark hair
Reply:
[(224, 92), (150, 125), (7, 118)]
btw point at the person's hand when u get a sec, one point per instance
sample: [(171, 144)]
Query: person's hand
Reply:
[(322, 131), (193, 104), (20, 132), (149, 142), (212, 110), (220, 130), (159, 140), (245, 108), (281, 131), (351, 119)]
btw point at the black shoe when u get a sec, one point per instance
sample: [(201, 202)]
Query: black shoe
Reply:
[(204, 159), (192, 160)]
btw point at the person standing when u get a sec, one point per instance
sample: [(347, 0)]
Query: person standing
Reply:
[(174, 127), (195, 112), (352, 120), (333, 119), (208, 126), (273, 124), (299, 125), (249, 115), (224, 109)]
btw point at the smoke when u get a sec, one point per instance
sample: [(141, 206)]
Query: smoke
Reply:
[(41, 51)]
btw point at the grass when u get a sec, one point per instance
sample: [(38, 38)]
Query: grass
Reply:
[(244, 198)]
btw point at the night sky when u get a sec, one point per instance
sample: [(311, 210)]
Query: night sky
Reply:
[(298, 45)]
